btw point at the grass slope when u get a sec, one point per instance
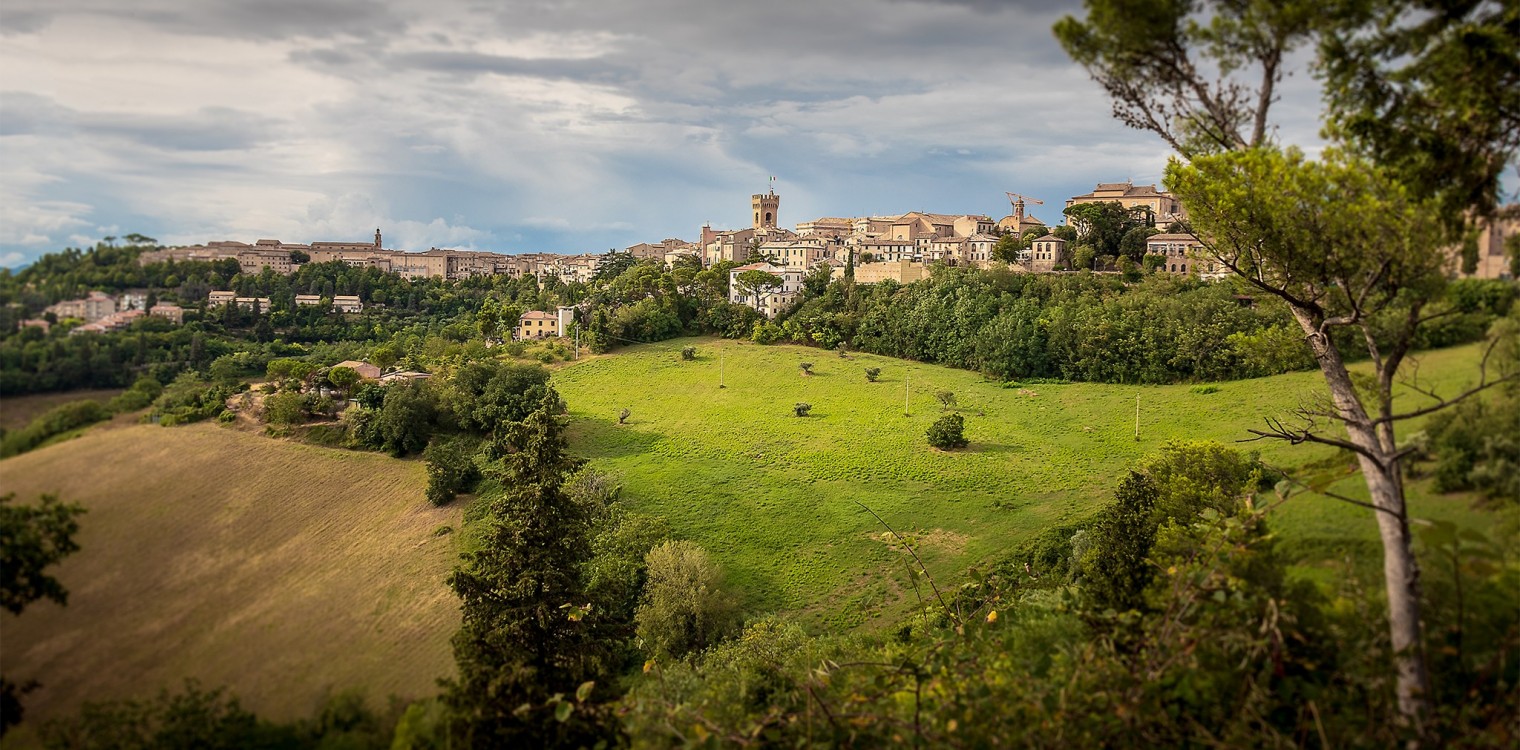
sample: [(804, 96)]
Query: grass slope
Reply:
[(17, 411), (278, 569), (777, 498)]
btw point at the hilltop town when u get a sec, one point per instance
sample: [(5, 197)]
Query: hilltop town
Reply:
[(903, 248)]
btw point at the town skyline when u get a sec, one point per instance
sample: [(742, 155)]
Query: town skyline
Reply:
[(543, 128)]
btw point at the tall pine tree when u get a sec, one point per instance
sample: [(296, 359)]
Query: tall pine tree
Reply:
[(525, 649)]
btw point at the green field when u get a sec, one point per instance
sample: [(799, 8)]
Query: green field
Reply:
[(777, 499)]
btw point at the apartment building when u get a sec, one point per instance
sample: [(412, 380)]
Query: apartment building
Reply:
[(1163, 206)]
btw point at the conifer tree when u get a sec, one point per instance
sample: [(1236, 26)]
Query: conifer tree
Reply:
[(526, 643)]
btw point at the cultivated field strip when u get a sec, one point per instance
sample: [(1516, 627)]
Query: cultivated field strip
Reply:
[(281, 570)]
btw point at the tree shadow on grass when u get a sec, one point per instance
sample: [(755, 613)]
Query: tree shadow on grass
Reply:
[(605, 438), (977, 447)]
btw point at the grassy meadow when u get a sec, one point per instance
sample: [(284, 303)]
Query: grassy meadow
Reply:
[(778, 499), (280, 570)]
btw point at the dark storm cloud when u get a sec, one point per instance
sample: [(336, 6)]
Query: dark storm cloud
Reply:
[(207, 129)]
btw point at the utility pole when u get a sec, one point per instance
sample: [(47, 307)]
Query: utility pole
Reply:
[(1137, 416), (905, 395)]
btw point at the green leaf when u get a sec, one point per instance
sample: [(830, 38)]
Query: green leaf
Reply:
[(584, 691), (562, 712)]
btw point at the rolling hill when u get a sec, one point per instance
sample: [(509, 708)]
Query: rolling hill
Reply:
[(283, 571)]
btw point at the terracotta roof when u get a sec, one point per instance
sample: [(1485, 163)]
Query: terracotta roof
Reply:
[(1172, 237), (536, 315), (1049, 238)]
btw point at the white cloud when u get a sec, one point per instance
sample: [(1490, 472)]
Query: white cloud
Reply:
[(532, 125)]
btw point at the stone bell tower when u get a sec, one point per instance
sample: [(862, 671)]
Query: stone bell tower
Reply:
[(765, 206)]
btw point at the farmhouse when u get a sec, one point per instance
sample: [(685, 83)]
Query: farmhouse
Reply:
[(347, 303), (537, 324), (365, 369)]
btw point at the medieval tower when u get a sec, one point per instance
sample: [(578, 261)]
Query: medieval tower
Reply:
[(765, 206)]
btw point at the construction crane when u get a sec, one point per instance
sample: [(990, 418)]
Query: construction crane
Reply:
[(1018, 200), (1018, 206)]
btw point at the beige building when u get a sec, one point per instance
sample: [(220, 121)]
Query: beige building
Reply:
[(799, 254), (1163, 206), (885, 250), (257, 304), (348, 303), (829, 226), (902, 272), (726, 246), (91, 307), (1493, 260), (172, 313), (1182, 254), (1047, 254)]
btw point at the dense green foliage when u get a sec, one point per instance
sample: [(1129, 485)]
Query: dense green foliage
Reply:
[(1091, 328), (1477, 447), (213, 719)]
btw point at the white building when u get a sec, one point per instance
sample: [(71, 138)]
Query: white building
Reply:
[(769, 302)]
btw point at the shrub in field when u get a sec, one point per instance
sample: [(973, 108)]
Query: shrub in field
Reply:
[(451, 468), (1204, 390), (948, 433), (623, 415), (802, 409), (688, 352), (285, 408), (946, 399), (807, 367), (872, 373)]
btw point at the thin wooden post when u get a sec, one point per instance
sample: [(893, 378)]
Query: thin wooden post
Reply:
[(720, 370), (1137, 416)]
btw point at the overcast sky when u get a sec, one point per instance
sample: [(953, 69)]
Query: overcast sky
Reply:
[(538, 125)]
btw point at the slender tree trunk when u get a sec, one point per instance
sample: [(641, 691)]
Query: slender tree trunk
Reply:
[(1401, 573)]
